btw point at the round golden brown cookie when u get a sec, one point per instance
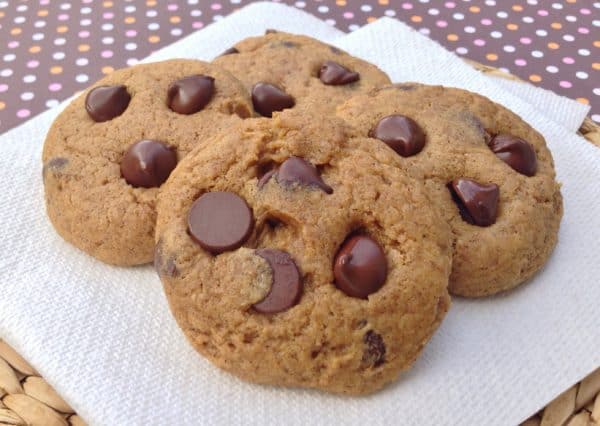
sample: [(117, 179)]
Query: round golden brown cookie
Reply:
[(109, 151), (284, 71), (488, 171), (293, 255)]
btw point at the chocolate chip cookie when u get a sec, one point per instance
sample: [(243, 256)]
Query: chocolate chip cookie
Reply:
[(294, 255), (110, 150), (488, 171), (285, 71)]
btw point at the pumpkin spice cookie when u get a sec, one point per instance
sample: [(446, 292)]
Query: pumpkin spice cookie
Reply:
[(293, 255), (109, 151), (285, 71), (488, 171)]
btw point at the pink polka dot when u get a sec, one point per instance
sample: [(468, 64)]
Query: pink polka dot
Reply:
[(441, 24), (450, 4), (3, 87), (87, 1), (131, 33), (44, 2), (583, 30), (13, 44), (520, 62), (585, 11), (84, 34), (197, 25), (32, 64), (542, 12), (525, 40), (407, 6), (568, 60), (479, 42), (63, 17), (108, 15), (23, 113), (107, 54), (54, 87), (565, 84), (216, 6), (348, 15), (486, 21), (172, 7)]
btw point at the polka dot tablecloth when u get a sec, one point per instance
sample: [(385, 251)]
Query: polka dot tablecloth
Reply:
[(51, 49)]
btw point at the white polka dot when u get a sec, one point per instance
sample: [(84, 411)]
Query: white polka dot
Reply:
[(6, 72), (537, 54), (581, 75), (532, 2), (458, 16), (366, 8), (596, 91), (528, 19), (51, 103), (58, 56), (596, 22), (82, 62), (9, 57), (353, 27), (236, 1), (597, 5), (194, 13), (27, 96), (153, 26), (557, 6), (584, 52), (59, 41), (132, 61), (176, 32), (596, 118), (462, 50), (85, 10), (502, 14), (19, 19), (107, 27), (541, 33), (568, 37), (300, 4), (323, 9), (37, 36), (504, 69), (85, 22), (29, 78), (424, 31), (108, 40), (390, 12), (129, 9), (433, 11), (22, 8), (217, 17), (130, 46), (192, 2), (39, 24), (496, 34), (490, 3), (552, 69), (423, 1), (571, 18), (330, 22), (65, 6), (469, 29), (81, 78), (509, 48), (3, 4)]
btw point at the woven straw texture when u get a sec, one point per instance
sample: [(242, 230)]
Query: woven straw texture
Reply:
[(27, 399)]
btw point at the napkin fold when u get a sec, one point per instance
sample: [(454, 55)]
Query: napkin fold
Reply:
[(104, 336)]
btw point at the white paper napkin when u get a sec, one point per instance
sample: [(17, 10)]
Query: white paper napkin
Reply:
[(104, 337)]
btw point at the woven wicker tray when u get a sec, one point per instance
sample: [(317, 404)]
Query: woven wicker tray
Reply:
[(27, 399)]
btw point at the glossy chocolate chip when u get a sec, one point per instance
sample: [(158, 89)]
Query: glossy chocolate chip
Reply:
[(268, 98), (400, 133), (230, 51), (296, 170), (190, 94), (374, 352), (286, 285), (148, 163), (334, 74), (104, 103), (477, 203), (360, 266), (220, 221), (515, 152)]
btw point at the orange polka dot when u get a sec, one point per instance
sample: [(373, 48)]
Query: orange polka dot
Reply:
[(2, 105), (34, 49), (56, 70), (340, 2), (154, 39), (452, 37), (571, 1), (416, 18), (130, 20), (384, 2), (107, 70), (150, 3), (1, 14), (517, 8), (42, 12), (553, 45), (474, 9), (15, 31), (83, 47), (584, 101), (174, 19), (597, 43), (535, 78), (107, 4), (491, 57), (62, 29), (512, 27), (596, 65), (556, 25), (371, 19)]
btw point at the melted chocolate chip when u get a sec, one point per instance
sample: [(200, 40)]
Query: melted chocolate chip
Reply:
[(268, 98), (148, 163), (360, 267), (166, 268), (54, 164), (286, 285), (271, 31), (230, 51), (515, 152), (374, 352), (335, 50), (334, 74), (477, 203), (400, 133), (220, 221), (104, 103), (289, 44), (296, 170), (190, 94)]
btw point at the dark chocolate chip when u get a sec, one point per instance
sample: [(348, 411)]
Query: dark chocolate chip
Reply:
[(400, 133), (335, 50), (220, 221), (296, 170), (360, 266), (271, 31), (289, 44), (477, 203), (334, 74), (374, 352), (190, 94), (148, 163), (230, 51), (268, 98), (55, 164), (164, 267), (104, 103), (515, 152), (265, 178), (286, 285)]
